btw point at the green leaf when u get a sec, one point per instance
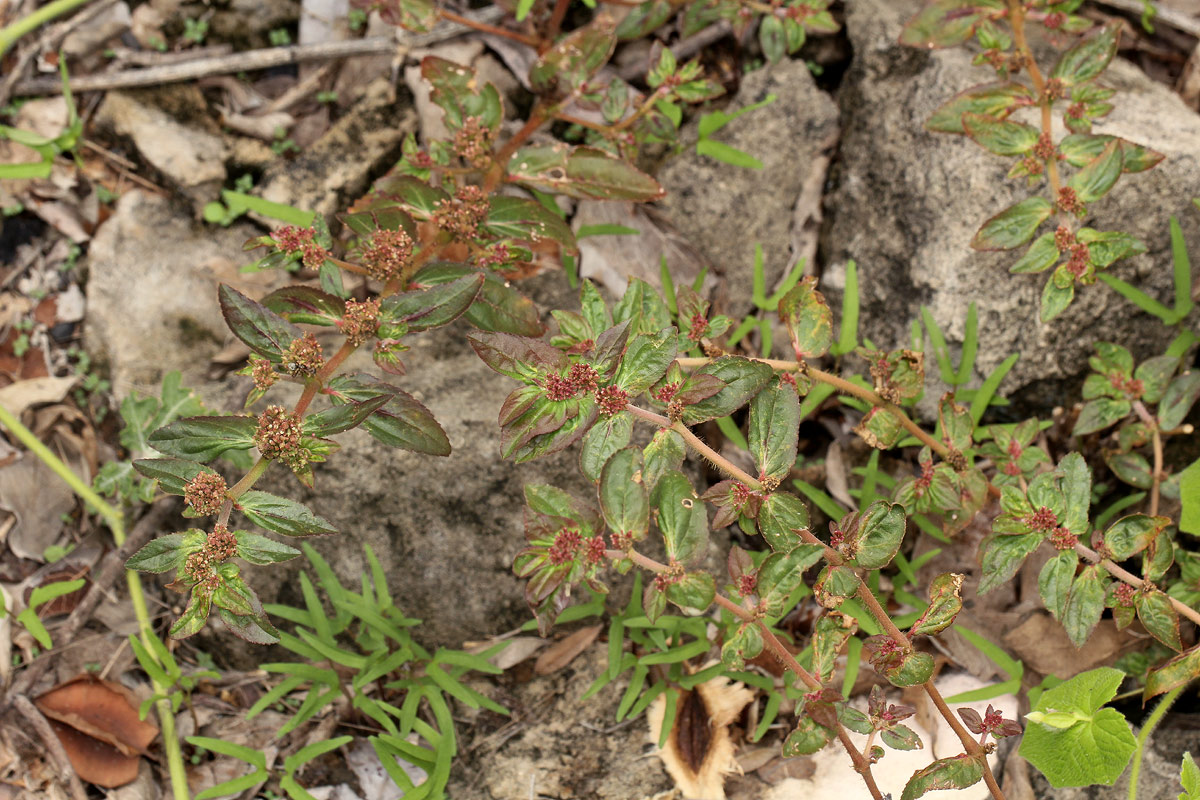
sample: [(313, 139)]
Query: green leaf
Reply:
[(204, 438), (259, 328), (438, 305), (1014, 226), (194, 616), (1089, 57), (1094, 180), (529, 221), (771, 38), (727, 154), (996, 100), (1002, 555), (1000, 136), (830, 634), (695, 592), (1189, 495), (945, 601), (956, 772), (623, 497), (1055, 580), (172, 474), (1130, 535), (681, 518), (281, 515), (583, 172), (1178, 399), (780, 574), (605, 438), (645, 19), (1177, 671), (1040, 256), (1100, 413), (642, 306), (1096, 747), (344, 417), (1159, 617), (571, 62), (880, 531), (743, 379), (779, 519), (746, 643), (664, 454), (305, 305), (1106, 247), (808, 319), (942, 23), (401, 422), (258, 549), (418, 16), (497, 307), (806, 739), (1084, 606), (460, 93), (774, 430), (166, 552), (646, 359), (1189, 776)]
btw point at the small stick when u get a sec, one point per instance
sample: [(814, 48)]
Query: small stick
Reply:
[(256, 59), (53, 746)]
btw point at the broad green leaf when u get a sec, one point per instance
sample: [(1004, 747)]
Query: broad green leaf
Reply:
[(771, 38), (401, 422), (1159, 617), (281, 515), (418, 16), (1000, 136), (497, 307), (743, 379), (1040, 256), (880, 428), (746, 643), (569, 64), (643, 307), (808, 319), (782, 573), (1096, 747), (1055, 299), (681, 518), (583, 172), (806, 739), (1055, 581), (204, 438), (305, 305), (529, 221), (1178, 399), (646, 359), (459, 92), (644, 19), (942, 23), (172, 474), (912, 669), (695, 592), (956, 772), (343, 417), (1130, 535), (259, 549), (192, 620), (1101, 413), (1002, 555), (664, 454), (829, 636), (774, 430), (1076, 482), (945, 601), (259, 328), (605, 438), (779, 519), (1106, 247), (1189, 495), (1014, 226), (996, 100), (166, 552), (440, 304), (623, 497)]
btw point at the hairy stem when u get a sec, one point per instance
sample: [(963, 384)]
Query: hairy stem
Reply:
[(516, 36), (115, 521), (718, 460), (1122, 574), (1156, 478), (1160, 710), (556, 21), (1016, 15), (862, 765)]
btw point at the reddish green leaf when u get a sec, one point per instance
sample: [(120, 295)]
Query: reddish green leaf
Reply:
[(605, 438), (957, 772), (664, 454), (528, 221), (880, 428), (646, 359), (1179, 670), (497, 307), (945, 601), (780, 518), (681, 518), (194, 616), (261, 329), (418, 16), (1014, 226), (456, 90), (830, 634), (878, 535), (167, 552), (1105, 247), (1084, 606), (305, 305), (1000, 136), (1159, 617), (806, 739), (644, 19), (413, 194), (1178, 399), (565, 67), (743, 379), (402, 422), (440, 304), (581, 172), (774, 430), (623, 497), (1130, 535), (943, 23), (996, 100), (780, 574), (1089, 57), (746, 643), (172, 474), (695, 592), (1100, 413), (808, 319), (342, 417), (1100, 174), (282, 515), (1002, 555)]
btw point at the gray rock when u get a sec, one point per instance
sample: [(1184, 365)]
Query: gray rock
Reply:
[(724, 210), (905, 204), (152, 291), (323, 178), (192, 159)]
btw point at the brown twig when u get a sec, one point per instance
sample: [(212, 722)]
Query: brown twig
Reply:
[(260, 59), (718, 460), (53, 746)]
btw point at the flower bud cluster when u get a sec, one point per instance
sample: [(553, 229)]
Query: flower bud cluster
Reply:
[(263, 373), (278, 436), (673, 575), (1041, 520), (566, 544), (462, 214), (205, 493), (359, 321), (579, 378), (611, 399), (303, 357), (388, 254), (593, 550), (292, 240), (473, 142), (1069, 201)]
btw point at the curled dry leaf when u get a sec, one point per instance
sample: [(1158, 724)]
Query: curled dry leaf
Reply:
[(97, 722), (699, 751), (564, 651)]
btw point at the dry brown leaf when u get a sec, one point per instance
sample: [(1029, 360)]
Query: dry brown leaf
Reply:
[(21, 395), (699, 751), (564, 651), (95, 761), (102, 710), (518, 649), (38, 498), (1040, 642)]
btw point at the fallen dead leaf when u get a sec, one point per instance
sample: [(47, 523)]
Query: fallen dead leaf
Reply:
[(564, 651), (97, 722), (21, 395), (1040, 642), (35, 495), (519, 649)]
